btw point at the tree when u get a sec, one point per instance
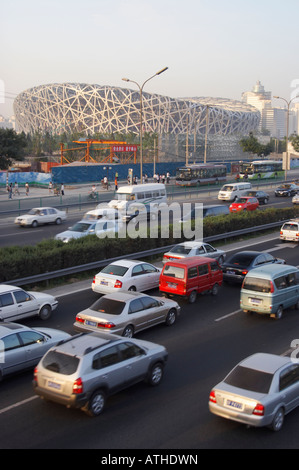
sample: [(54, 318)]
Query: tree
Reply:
[(12, 146), (295, 142), (252, 145)]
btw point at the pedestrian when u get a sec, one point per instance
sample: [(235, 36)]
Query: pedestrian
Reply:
[(168, 177), (115, 183), (27, 189), (16, 189), (62, 189), (10, 191), (50, 187), (105, 182)]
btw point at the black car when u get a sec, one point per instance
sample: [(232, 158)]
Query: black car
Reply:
[(237, 266), (287, 189), (261, 196)]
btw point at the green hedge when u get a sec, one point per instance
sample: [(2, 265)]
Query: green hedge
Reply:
[(51, 255)]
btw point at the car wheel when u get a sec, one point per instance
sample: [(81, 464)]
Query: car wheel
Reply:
[(278, 420), (192, 297), (132, 289), (171, 317), (279, 313), (128, 331), (96, 403), (58, 221), (215, 289), (155, 374), (34, 224), (45, 312)]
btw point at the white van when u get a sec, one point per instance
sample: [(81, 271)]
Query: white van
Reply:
[(101, 212), (148, 194), (231, 191)]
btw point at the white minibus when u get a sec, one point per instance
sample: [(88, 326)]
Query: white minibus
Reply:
[(148, 194)]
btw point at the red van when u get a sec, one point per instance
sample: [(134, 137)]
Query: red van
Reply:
[(189, 276)]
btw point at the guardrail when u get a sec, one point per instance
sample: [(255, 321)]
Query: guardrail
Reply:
[(141, 254)]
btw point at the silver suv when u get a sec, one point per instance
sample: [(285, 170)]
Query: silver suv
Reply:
[(83, 371)]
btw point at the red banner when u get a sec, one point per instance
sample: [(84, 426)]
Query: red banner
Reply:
[(124, 148)]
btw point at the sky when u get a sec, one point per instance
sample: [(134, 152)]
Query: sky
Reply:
[(212, 48)]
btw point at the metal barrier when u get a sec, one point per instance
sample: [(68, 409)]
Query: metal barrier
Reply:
[(141, 254)]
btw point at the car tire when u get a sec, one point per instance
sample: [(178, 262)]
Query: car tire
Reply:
[(192, 297), (34, 224), (128, 331), (58, 221), (215, 289), (278, 420), (279, 313), (45, 312), (132, 289), (155, 374), (171, 317), (96, 404)]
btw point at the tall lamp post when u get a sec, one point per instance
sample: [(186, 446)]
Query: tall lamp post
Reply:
[(287, 130), (141, 111)]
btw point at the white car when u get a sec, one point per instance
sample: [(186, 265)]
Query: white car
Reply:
[(295, 199), (194, 248), (16, 303), (126, 275), (41, 215)]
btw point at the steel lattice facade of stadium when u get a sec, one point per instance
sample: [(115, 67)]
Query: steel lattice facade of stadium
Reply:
[(70, 107)]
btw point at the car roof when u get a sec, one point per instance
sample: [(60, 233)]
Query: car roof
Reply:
[(44, 207), (265, 362), (190, 261), (192, 244), (8, 327), (127, 262), (123, 295), (8, 288), (271, 270), (83, 343)]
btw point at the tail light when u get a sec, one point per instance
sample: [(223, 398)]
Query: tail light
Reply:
[(107, 324), (94, 280), (118, 284), (212, 397), (271, 287), (281, 232), (79, 319), (244, 272), (35, 375), (78, 386), (259, 410)]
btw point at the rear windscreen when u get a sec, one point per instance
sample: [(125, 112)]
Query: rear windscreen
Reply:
[(61, 363), (174, 271), (249, 379), (257, 285), (115, 270)]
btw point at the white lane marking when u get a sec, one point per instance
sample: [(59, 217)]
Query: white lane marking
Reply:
[(19, 403), (228, 315)]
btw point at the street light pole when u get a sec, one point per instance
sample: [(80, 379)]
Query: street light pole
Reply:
[(141, 113), (287, 131)]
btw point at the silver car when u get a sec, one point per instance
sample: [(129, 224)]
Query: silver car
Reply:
[(17, 303), (194, 248), (22, 347), (259, 391), (127, 313), (83, 371)]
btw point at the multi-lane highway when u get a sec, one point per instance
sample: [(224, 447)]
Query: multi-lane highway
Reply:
[(210, 337)]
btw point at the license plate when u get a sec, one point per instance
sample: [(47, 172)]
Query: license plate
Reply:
[(171, 285), (255, 301), (230, 272), (104, 283), (55, 385), (234, 404), (90, 323)]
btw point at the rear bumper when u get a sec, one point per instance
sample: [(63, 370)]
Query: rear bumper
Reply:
[(73, 401), (250, 419)]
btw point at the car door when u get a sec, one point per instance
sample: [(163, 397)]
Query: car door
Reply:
[(156, 311), (13, 355), (203, 279), (26, 305), (107, 369), (134, 362), (34, 345), (137, 316), (8, 307), (45, 217), (211, 251), (289, 387), (139, 277), (151, 276)]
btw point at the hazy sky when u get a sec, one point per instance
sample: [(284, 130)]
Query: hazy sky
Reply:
[(212, 47)]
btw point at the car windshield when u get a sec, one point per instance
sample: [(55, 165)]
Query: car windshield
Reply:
[(285, 186), (180, 249), (249, 379), (61, 363), (174, 271), (111, 306), (80, 227), (115, 270), (241, 200), (242, 259), (34, 212)]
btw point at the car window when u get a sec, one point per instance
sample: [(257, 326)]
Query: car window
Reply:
[(129, 350), (291, 279), (203, 269), (61, 363), (106, 358), (137, 270), (11, 342), (260, 259), (149, 302), (135, 306), (210, 249), (289, 377), (6, 299), (200, 250), (31, 337), (214, 266), (192, 272), (148, 268), (281, 282), (268, 258), (21, 296)]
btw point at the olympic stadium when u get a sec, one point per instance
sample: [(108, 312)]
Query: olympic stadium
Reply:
[(71, 107)]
